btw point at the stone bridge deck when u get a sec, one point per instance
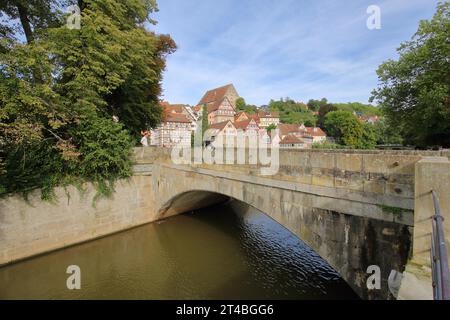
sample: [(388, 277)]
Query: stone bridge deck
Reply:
[(353, 208)]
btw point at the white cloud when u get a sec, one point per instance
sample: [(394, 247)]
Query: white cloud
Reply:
[(271, 49)]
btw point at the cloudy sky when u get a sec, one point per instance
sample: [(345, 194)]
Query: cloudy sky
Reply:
[(300, 49)]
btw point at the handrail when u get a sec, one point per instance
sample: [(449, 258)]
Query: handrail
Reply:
[(439, 258)]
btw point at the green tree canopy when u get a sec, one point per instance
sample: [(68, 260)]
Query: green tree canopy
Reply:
[(241, 105), (292, 112), (315, 105), (387, 133), (348, 130), (359, 108), (414, 91), (323, 111), (60, 89)]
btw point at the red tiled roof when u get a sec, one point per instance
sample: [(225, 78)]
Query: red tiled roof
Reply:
[(176, 117), (240, 113), (219, 125), (215, 105), (291, 139), (286, 129), (315, 132), (244, 124), (173, 108), (215, 94)]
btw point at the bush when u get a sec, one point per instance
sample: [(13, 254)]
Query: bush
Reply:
[(104, 148), (98, 152), (30, 166)]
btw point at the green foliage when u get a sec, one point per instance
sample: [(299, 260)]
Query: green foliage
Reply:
[(39, 15), (323, 111), (104, 148), (241, 105), (387, 134), (292, 112), (271, 127), (100, 152), (349, 131), (414, 91), (31, 166), (392, 210), (359, 108), (369, 137), (315, 105), (205, 123), (59, 91)]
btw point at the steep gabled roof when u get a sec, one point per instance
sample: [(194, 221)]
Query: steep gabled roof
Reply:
[(248, 115), (176, 117), (286, 129), (315, 132), (291, 139), (173, 108), (244, 124), (240, 113), (213, 106), (216, 94), (220, 126)]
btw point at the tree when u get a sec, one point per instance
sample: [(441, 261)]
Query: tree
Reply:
[(291, 111), (414, 91), (359, 108), (31, 16), (59, 90), (369, 137), (345, 128), (271, 127), (323, 111), (241, 105), (387, 133), (315, 105), (205, 123), (309, 123)]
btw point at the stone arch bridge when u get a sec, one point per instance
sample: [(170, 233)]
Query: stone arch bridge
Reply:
[(354, 208)]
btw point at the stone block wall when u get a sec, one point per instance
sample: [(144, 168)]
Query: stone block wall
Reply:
[(35, 227)]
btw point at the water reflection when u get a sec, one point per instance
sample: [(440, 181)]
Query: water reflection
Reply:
[(228, 251)]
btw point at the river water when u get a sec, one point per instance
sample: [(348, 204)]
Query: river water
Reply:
[(229, 251)]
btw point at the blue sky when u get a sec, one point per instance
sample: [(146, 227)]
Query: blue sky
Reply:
[(300, 49)]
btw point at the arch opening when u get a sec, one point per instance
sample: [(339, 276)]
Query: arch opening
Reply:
[(262, 237)]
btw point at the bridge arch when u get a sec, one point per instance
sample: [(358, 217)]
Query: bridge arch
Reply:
[(350, 243), (195, 199)]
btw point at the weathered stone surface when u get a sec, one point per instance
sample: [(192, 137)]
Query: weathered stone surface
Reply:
[(431, 174), (354, 208), (27, 229)]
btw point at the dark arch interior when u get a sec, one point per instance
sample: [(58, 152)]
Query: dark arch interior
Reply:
[(190, 201)]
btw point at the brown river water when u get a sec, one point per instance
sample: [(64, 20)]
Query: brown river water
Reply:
[(229, 251)]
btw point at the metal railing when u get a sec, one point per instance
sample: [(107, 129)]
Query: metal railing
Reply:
[(439, 258)]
